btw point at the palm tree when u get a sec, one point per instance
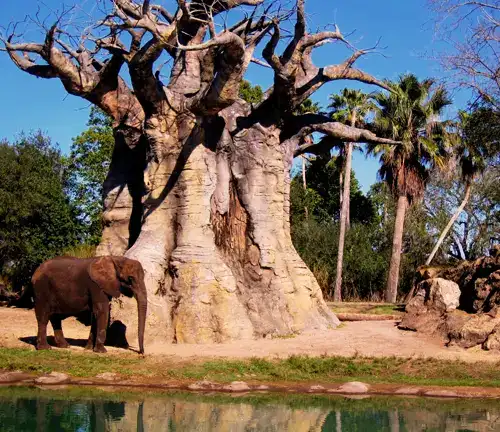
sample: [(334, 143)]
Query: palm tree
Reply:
[(352, 107), (471, 157), (408, 114)]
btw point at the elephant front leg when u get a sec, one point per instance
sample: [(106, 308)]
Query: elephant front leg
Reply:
[(102, 317), (42, 318), (61, 342)]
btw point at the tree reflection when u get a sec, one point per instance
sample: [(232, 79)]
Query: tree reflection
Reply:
[(188, 413)]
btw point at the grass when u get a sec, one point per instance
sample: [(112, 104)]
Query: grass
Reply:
[(80, 251), (366, 308), (295, 369)]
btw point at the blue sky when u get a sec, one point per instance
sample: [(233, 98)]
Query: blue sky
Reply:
[(404, 28)]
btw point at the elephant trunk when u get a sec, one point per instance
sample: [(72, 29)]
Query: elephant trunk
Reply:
[(142, 307)]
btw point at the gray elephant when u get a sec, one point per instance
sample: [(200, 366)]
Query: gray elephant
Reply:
[(68, 286)]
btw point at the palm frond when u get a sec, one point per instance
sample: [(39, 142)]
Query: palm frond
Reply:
[(410, 114)]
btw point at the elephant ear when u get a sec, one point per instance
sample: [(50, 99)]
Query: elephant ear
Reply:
[(102, 271)]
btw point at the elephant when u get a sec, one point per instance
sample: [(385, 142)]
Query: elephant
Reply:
[(67, 286)]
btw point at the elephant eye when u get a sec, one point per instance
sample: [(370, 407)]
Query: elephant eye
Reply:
[(130, 280)]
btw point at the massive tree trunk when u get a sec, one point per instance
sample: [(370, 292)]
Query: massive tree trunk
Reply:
[(450, 225), (122, 193), (216, 246), (391, 292)]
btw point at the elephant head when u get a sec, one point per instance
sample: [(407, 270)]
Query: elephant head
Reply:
[(119, 275)]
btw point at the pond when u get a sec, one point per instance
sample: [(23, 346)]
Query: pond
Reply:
[(82, 410)]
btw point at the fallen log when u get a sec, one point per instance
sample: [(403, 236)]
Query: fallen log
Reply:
[(366, 317)]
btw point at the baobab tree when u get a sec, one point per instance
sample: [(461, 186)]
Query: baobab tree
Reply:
[(198, 189)]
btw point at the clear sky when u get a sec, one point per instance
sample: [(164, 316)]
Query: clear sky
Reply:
[(404, 29)]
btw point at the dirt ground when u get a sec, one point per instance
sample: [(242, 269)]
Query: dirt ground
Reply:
[(369, 339)]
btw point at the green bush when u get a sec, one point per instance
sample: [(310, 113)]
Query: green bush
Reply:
[(37, 220), (365, 265)]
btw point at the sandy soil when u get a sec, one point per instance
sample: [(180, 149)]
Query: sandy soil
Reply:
[(372, 339)]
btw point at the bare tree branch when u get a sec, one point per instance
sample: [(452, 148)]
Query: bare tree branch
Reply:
[(299, 127), (471, 30), (340, 132)]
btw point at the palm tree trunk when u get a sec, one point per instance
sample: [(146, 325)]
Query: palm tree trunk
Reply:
[(391, 292), (344, 216), (452, 221), (348, 212), (341, 187), (394, 420), (304, 183), (338, 421)]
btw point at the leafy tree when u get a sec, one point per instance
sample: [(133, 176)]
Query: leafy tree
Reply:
[(249, 93), (471, 156), (409, 114), (483, 127), (308, 107), (316, 238), (303, 198), (368, 245), (350, 107), (478, 224), (89, 162), (36, 219), (322, 177)]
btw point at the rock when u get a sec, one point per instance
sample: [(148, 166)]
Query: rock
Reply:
[(354, 387), (492, 302), (53, 378), (237, 386), (55, 387), (426, 311), (203, 385), (475, 331), (108, 376), (441, 393), (425, 321), (470, 276), (439, 294), (408, 390), (493, 341), (316, 388), (11, 377)]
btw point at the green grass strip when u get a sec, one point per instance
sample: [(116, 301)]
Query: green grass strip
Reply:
[(417, 371)]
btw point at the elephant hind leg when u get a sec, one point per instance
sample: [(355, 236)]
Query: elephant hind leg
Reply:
[(42, 318), (61, 342), (91, 339), (102, 317)]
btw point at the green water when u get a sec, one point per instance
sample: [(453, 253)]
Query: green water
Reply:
[(32, 409)]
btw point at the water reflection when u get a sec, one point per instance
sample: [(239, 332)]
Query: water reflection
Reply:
[(35, 410)]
